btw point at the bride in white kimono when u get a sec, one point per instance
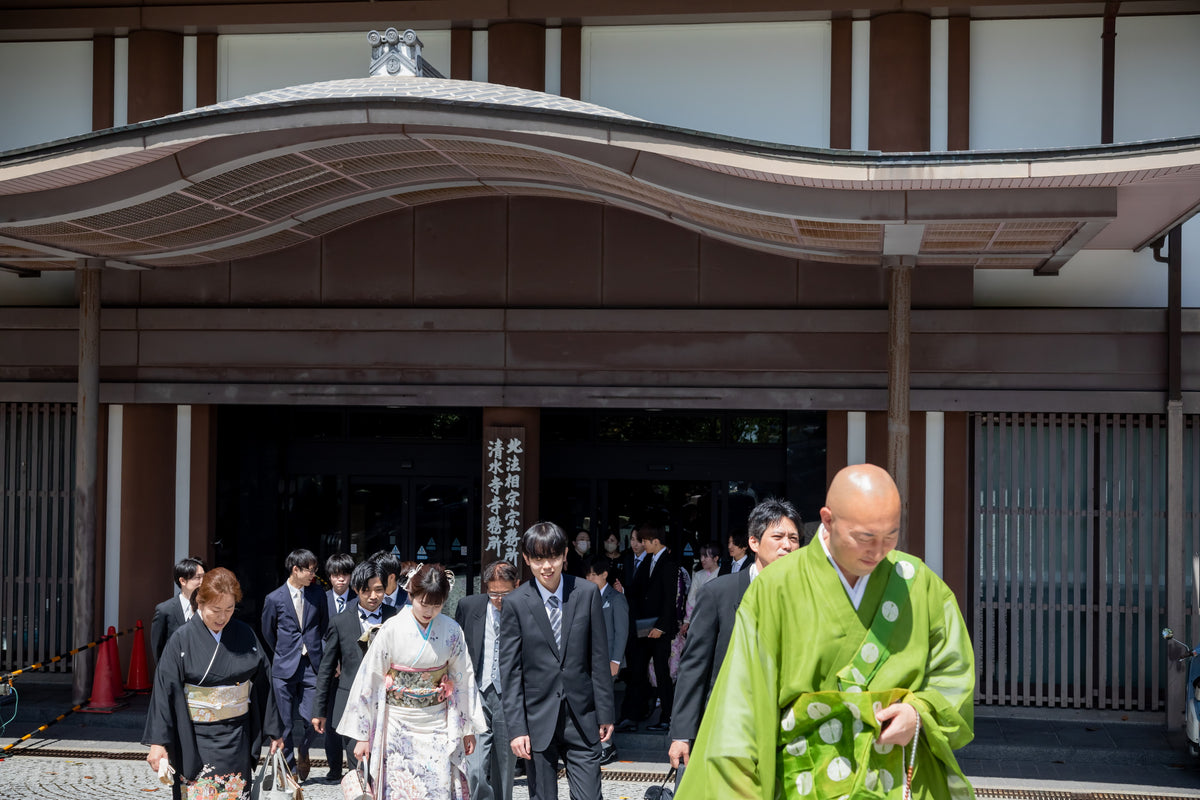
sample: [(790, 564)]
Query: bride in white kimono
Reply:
[(414, 708)]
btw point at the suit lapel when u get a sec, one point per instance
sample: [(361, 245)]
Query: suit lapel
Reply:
[(538, 610), (568, 611)]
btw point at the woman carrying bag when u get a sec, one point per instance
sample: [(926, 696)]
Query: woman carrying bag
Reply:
[(212, 702)]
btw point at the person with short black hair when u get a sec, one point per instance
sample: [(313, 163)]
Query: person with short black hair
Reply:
[(414, 711), (342, 654), (338, 567), (652, 602), (490, 769), (394, 594), (616, 626), (294, 621), (170, 614), (740, 557), (558, 695)]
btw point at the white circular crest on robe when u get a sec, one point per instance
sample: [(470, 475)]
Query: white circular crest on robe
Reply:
[(839, 769), (857, 727), (852, 689), (891, 612), (789, 720), (804, 783), (818, 710), (797, 747), (854, 712), (831, 731), (905, 570), (877, 707), (886, 780), (870, 652), (870, 780), (883, 749), (859, 678)]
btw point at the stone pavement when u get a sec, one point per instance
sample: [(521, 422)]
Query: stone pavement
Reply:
[(1016, 753)]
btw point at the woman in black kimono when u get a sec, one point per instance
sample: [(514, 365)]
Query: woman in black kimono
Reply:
[(212, 701)]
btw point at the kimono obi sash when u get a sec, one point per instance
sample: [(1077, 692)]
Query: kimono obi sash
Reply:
[(409, 687), (217, 703), (828, 740)]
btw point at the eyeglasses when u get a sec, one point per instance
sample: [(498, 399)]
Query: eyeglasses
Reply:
[(499, 595)]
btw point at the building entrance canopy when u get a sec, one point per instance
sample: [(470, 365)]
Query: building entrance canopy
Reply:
[(269, 171)]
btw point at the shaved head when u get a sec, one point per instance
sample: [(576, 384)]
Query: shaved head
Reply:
[(861, 518)]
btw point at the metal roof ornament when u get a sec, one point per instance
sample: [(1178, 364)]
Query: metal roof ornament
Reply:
[(394, 53)]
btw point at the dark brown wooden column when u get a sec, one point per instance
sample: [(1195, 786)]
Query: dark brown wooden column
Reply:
[(958, 85), (206, 69), (155, 74), (571, 62), (899, 97), (461, 54), (517, 55), (86, 469), (899, 353), (103, 59), (956, 506), (841, 60)]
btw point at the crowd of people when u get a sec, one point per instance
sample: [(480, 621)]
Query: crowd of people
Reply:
[(810, 677)]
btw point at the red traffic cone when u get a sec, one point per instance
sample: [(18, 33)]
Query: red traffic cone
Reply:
[(139, 676), (118, 687), (103, 701)]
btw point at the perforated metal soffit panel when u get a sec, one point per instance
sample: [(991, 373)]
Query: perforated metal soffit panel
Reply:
[(279, 196)]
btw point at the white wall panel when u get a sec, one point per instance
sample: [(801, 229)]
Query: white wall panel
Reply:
[(1093, 278), (860, 84), (553, 78), (51, 99), (759, 81), (259, 62), (1157, 87), (939, 84), (1035, 83)]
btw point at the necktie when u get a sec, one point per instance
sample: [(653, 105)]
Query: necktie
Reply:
[(555, 619), (298, 602), (341, 604), (495, 677), (391, 601)]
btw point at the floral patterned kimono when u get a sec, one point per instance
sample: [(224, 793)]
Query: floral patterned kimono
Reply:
[(414, 699)]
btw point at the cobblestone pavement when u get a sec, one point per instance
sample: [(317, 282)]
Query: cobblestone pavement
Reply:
[(32, 777)]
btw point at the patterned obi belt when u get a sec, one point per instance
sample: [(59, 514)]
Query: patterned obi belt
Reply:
[(217, 703), (415, 688)]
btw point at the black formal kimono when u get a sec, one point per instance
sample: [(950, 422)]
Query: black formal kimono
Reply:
[(216, 756)]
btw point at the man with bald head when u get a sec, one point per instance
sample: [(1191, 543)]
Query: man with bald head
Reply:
[(849, 662)]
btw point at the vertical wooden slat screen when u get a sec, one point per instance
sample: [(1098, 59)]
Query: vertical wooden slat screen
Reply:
[(37, 446), (1070, 555)]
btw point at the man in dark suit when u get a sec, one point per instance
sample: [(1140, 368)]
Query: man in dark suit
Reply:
[(170, 614), (294, 620), (740, 556), (616, 625), (558, 696), (393, 593), (342, 654), (652, 602), (773, 531), (339, 568), (491, 767)]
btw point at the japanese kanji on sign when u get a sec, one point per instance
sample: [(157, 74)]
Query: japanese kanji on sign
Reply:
[(503, 492)]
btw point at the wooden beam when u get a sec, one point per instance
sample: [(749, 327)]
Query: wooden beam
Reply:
[(899, 356)]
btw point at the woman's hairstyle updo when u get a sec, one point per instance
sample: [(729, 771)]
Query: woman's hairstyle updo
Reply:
[(430, 583), (215, 583)]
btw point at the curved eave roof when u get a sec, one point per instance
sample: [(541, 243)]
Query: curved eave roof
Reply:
[(273, 170)]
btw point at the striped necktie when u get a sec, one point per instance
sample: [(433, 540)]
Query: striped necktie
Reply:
[(341, 604), (555, 619)]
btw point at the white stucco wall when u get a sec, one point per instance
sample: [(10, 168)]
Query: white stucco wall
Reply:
[(257, 62), (758, 81), (1035, 83), (52, 99)]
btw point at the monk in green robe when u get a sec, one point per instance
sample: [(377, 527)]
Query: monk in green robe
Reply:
[(844, 653)]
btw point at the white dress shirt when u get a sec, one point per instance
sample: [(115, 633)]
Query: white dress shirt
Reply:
[(854, 592)]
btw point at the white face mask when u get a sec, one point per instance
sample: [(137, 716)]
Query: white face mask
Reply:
[(582, 547), (610, 547)]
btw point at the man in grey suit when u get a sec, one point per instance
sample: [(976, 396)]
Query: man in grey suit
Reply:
[(616, 625), (774, 531), (491, 767), (342, 652), (554, 667), (170, 614)]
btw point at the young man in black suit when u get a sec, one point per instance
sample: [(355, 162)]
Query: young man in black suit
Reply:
[(339, 567), (491, 767), (616, 625), (393, 594), (170, 614), (740, 555), (774, 531), (554, 668), (342, 654), (652, 603)]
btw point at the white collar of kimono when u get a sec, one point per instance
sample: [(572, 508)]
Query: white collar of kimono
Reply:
[(546, 593), (856, 591), (753, 570)]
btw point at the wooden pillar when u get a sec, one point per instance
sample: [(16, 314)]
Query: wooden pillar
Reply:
[(103, 61), (571, 62), (517, 55), (461, 52), (899, 94), (841, 60), (1176, 575), (86, 449), (958, 85), (206, 69), (899, 347), (155, 74), (1108, 70)]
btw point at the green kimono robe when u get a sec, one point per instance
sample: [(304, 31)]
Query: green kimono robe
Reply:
[(796, 629)]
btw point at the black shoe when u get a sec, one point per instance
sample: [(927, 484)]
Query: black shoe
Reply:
[(659, 727), (334, 776), (608, 755), (627, 726)]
